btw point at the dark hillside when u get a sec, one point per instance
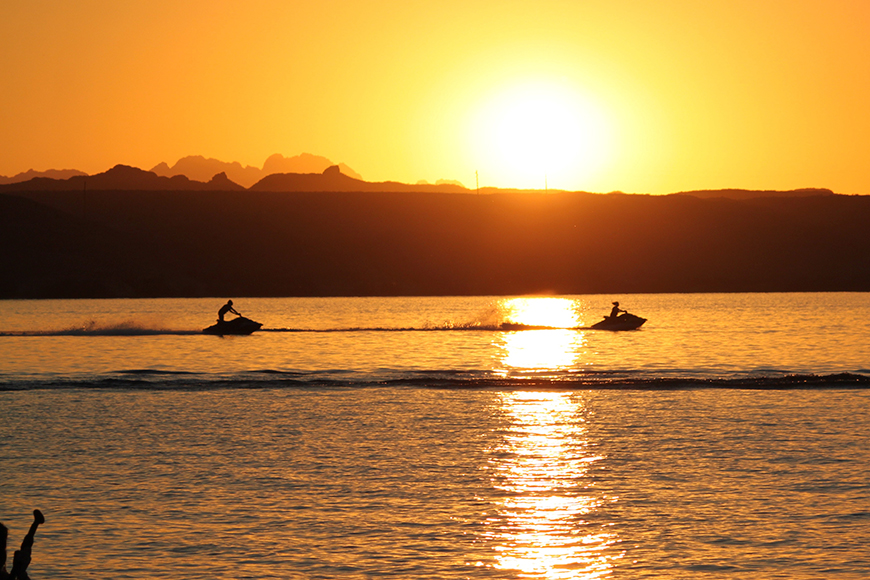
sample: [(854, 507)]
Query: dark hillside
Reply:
[(49, 253), (250, 243)]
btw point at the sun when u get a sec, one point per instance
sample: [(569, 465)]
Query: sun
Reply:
[(539, 134)]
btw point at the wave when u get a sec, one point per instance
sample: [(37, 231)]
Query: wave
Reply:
[(640, 382), (137, 329), (150, 379), (103, 332), (471, 326)]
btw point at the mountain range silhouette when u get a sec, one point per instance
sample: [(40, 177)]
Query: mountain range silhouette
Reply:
[(51, 173), (198, 168), (128, 232), (132, 233), (126, 178), (331, 178)]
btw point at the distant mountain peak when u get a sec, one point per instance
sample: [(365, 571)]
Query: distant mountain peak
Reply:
[(220, 182), (161, 168)]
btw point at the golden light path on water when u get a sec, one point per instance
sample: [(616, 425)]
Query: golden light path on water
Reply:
[(556, 348), (542, 528), (543, 464)]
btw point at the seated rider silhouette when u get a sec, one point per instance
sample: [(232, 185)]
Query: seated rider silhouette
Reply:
[(228, 307), (616, 310)]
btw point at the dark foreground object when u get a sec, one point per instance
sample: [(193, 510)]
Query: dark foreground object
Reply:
[(240, 325), (623, 322), (21, 558)]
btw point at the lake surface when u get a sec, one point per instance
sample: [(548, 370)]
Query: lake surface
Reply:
[(423, 438)]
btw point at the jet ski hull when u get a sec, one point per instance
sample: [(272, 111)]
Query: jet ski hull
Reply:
[(238, 326), (623, 322)]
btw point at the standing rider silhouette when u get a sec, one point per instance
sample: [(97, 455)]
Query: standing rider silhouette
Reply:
[(228, 307)]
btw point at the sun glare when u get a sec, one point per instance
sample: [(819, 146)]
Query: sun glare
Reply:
[(540, 135), (540, 350), (541, 311)]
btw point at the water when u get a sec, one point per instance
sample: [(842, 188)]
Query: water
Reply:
[(449, 341), (414, 438)]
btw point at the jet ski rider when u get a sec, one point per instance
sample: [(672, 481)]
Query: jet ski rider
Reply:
[(228, 307), (613, 313)]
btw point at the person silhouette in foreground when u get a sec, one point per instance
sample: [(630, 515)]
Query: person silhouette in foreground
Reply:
[(228, 307), (21, 558), (614, 312)]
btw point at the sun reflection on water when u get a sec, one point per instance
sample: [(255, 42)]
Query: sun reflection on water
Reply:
[(543, 528), (540, 311), (557, 347), (541, 349)]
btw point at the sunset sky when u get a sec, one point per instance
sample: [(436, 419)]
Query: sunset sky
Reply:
[(639, 96)]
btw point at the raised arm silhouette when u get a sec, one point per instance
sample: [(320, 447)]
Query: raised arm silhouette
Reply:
[(21, 558)]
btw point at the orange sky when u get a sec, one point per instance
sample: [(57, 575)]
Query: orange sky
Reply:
[(640, 96)]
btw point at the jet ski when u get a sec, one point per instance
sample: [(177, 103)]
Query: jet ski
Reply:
[(622, 322), (240, 325)]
